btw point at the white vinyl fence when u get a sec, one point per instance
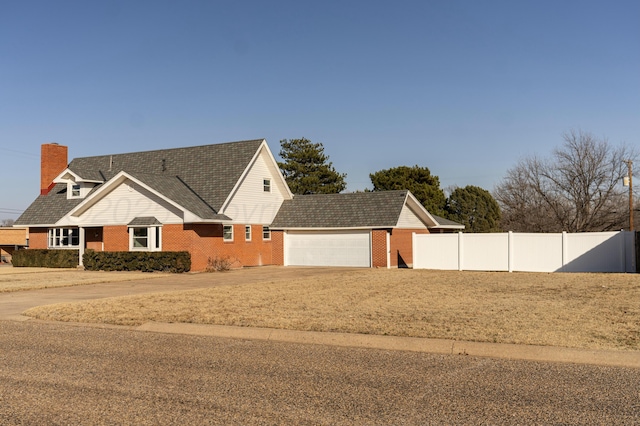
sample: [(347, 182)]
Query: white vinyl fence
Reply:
[(510, 251)]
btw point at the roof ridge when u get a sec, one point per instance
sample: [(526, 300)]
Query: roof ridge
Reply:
[(170, 149)]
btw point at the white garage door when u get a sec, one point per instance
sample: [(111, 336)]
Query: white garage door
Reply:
[(352, 248)]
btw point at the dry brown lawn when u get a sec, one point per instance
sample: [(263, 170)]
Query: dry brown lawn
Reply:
[(595, 311), (21, 279)]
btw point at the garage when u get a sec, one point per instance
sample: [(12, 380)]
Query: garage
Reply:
[(328, 248)]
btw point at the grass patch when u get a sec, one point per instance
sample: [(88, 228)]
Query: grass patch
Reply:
[(595, 311), (22, 279)]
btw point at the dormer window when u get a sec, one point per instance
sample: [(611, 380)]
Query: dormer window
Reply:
[(78, 190)]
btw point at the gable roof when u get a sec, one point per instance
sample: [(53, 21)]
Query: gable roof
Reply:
[(380, 209), (199, 179), (211, 171)]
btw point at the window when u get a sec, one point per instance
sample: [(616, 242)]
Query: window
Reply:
[(140, 238), (78, 190), (145, 238), (64, 237), (227, 232), (266, 185), (247, 233), (266, 233)]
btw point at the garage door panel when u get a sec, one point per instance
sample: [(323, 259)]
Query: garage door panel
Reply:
[(328, 249)]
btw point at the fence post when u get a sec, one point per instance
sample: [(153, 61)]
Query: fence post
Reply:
[(460, 256), (510, 251), (623, 251), (564, 249)]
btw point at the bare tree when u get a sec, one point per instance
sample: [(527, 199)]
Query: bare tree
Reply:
[(6, 222), (577, 189)]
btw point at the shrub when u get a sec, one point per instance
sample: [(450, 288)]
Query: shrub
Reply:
[(219, 264), (42, 258), (165, 261)]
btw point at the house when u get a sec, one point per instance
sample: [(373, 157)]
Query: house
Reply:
[(11, 239), (353, 229), (224, 200)]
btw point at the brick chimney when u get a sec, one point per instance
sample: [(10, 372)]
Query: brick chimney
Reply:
[(53, 160)]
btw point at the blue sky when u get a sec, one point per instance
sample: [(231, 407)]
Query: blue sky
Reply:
[(465, 88)]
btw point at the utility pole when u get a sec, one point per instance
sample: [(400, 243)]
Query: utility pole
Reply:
[(630, 184)]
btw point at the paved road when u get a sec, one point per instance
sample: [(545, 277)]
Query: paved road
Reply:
[(65, 374), (54, 373)]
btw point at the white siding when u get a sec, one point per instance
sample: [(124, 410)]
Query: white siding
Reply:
[(250, 204), (408, 219), (126, 202)]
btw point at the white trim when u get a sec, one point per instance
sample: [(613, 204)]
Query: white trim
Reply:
[(228, 240), (388, 248), (152, 239), (61, 178), (355, 228), (418, 209)]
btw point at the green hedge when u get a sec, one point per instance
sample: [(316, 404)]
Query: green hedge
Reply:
[(165, 261), (45, 258)]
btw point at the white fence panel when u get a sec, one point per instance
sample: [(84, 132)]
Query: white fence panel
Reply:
[(536, 252), (438, 252), (595, 252), (485, 252), (584, 252)]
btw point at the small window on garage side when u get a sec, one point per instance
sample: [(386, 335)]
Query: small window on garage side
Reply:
[(227, 232), (266, 185), (266, 233), (247, 233)]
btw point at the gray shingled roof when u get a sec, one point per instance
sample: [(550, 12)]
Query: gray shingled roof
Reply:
[(48, 209), (442, 222), (353, 210), (211, 171), (198, 178), (175, 189), (144, 221)]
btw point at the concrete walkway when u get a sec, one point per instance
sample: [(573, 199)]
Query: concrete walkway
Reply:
[(13, 304)]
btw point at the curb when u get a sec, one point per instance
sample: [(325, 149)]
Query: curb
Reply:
[(629, 359)]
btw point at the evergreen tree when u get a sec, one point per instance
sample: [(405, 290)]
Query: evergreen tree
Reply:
[(419, 180), (475, 208), (307, 169)]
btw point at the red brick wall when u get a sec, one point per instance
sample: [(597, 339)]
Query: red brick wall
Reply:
[(205, 242), (38, 238), (277, 247), (53, 160), (379, 248), (402, 248), (116, 238)]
